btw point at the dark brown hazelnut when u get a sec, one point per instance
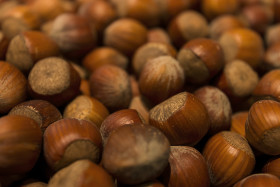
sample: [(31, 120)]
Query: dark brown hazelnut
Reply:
[(111, 86), (86, 108), (13, 89), (182, 118), (257, 16), (218, 107), (68, 140), (20, 146), (29, 47), (187, 168), (140, 157), (55, 80), (125, 35), (73, 34), (149, 51), (118, 119), (98, 12), (243, 44), (80, 174), (181, 31), (161, 78), (229, 158), (104, 55), (43, 112), (201, 59), (223, 23)]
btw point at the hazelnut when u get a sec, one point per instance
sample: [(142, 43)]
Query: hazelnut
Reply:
[(29, 47), (86, 108), (84, 87), (145, 11), (161, 78), (104, 55), (68, 140), (272, 167), (13, 89), (243, 44), (181, 31), (138, 103), (118, 119), (140, 157), (238, 121), (272, 57), (182, 118), (111, 86), (262, 126), (81, 173), (41, 111), (73, 34), (55, 80), (229, 158), (100, 13), (218, 107), (214, 8), (238, 79), (125, 35), (268, 85), (158, 35), (223, 23), (187, 167), (201, 59), (150, 51), (20, 145), (259, 180), (272, 34)]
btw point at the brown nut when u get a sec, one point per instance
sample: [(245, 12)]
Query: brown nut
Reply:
[(118, 119), (41, 111), (86, 108), (161, 78), (201, 59), (218, 107), (223, 23), (29, 47), (158, 35), (68, 140), (272, 167), (214, 8), (125, 35), (4, 43), (243, 44), (229, 158), (181, 31), (187, 168), (104, 55), (13, 89), (20, 145), (272, 34), (238, 121), (111, 86), (182, 118), (145, 11), (262, 126), (55, 80), (82, 173), (150, 51), (73, 34), (259, 180), (139, 103), (272, 58), (140, 157), (100, 13)]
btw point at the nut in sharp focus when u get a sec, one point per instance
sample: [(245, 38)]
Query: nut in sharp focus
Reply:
[(139, 157), (182, 118)]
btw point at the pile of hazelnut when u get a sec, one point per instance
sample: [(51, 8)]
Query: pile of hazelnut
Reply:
[(139, 93)]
